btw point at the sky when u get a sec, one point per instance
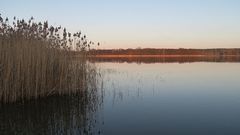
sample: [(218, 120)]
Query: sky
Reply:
[(139, 23)]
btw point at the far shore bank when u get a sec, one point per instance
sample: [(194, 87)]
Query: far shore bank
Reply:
[(164, 58), (154, 52), (156, 56)]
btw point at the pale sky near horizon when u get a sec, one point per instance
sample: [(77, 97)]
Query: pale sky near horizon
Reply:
[(140, 23)]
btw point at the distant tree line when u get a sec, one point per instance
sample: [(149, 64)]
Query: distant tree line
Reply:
[(180, 51), (182, 59)]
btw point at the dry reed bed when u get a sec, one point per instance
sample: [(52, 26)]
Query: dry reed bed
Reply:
[(35, 60)]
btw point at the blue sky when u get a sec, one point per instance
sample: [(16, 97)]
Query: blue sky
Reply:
[(140, 23)]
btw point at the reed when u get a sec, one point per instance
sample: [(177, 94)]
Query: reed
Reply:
[(36, 60)]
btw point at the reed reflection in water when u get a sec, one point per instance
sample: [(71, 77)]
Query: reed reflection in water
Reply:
[(75, 114)]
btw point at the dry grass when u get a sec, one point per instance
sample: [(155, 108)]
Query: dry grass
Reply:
[(35, 60)]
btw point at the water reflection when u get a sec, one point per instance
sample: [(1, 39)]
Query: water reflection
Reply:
[(56, 115), (171, 98)]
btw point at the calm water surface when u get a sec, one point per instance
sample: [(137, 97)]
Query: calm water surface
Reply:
[(200, 98)]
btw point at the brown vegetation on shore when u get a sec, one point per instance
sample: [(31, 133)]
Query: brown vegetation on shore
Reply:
[(35, 60), (152, 52)]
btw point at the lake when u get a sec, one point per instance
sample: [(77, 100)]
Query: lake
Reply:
[(139, 98)]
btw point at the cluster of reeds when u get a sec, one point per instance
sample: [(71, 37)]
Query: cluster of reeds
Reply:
[(35, 60)]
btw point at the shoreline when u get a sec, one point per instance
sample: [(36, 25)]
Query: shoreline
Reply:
[(156, 56)]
